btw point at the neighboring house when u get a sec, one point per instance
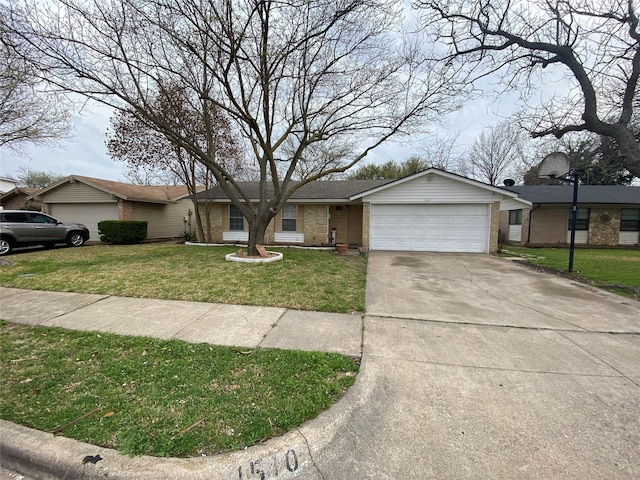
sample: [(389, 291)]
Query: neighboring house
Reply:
[(17, 199), (432, 210), (167, 209), (608, 215), (7, 184)]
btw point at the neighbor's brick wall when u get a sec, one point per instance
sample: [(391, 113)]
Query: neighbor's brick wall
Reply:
[(316, 224), (17, 202), (604, 226), (125, 210), (495, 222), (503, 226), (549, 226)]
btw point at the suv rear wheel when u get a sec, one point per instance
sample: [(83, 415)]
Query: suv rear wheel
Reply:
[(6, 245), (75, 239)]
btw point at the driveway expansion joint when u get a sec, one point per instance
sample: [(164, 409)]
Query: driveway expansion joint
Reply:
[(273, 326), (494, 325), (599, 358), (504, 369)]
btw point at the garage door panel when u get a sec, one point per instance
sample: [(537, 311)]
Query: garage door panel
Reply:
[(88, 214), (441, 228)]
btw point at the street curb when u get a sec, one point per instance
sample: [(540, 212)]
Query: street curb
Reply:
[(43, 456)]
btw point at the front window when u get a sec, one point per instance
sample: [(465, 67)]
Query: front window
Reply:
[(515, 217), (236, 219), (630, 220), (289, 218), (582, 219)]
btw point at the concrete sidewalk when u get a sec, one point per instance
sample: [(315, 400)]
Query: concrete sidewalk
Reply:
[(196, 322)]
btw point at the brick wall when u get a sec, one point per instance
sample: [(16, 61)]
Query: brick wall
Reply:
[(125, 210), (216, 219), (549, 226), (17, 202), (316, 224), (495, 223), (366, 222)]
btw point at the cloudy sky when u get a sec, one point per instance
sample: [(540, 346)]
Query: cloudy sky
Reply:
[(86, 154)]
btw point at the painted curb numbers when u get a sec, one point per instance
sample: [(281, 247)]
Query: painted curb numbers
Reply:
[(270, 467)]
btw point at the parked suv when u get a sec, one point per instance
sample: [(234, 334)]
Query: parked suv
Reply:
[(22, 228)]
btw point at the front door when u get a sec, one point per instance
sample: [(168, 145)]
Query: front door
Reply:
[(347, 221)]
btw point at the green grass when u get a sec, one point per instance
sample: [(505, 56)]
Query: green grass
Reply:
[(615, 269), (161, 398), (304, 279)]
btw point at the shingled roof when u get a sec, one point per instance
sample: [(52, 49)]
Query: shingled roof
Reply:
[(331, 191), (589, 194), (126, 191)]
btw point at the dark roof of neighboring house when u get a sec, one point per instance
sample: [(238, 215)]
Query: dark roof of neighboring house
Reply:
[(336, 190), (591, 194), (126, 191)]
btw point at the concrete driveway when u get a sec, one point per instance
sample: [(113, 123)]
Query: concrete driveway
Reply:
[(475, 368), (482, 289)]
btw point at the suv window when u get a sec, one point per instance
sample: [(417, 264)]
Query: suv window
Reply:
[(14, 217), (40, 218)]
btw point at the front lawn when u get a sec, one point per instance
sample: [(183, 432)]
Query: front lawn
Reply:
[(162, 398), (615, 269), (304, 279)]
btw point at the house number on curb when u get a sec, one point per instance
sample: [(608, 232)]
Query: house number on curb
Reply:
[(270, 467)]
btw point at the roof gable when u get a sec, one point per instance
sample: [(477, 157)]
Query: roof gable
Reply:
[(421, 181)]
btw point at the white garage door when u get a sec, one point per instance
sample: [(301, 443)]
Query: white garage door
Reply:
[(88, 213), (430, 228)]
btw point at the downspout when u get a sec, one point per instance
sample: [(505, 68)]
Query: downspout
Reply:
[(529, 227)]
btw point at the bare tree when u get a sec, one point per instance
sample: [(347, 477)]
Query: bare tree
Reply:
[(443, 153), (496, 154), (28, 113), (36, 178), (593, 43), (390, 169), (310, 73), (145, 149)]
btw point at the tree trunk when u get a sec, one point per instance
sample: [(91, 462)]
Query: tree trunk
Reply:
[(257, 231), (630, 149), (199, 227)]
